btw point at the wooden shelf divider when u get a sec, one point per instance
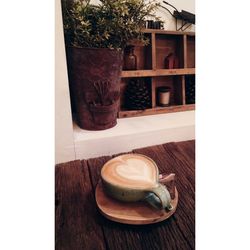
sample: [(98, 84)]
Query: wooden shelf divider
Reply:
[(183, 90), (153, 93), (185, 50), (156, 110), (168, 32), (153, 51), (157, 72)]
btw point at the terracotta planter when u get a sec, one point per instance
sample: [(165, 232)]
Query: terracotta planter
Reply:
[(94, 77)]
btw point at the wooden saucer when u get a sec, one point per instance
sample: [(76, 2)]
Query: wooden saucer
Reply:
[(136, 213)]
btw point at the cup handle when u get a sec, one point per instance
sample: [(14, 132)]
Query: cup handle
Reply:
[(153, 199), (170, 180), (165, 178), (159, 197)]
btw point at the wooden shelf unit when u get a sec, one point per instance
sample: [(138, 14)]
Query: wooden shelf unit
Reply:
[(151, 67)]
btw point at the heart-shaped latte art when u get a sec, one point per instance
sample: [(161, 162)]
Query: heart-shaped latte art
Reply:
[(131, 170), (137, 170), (134, 170)]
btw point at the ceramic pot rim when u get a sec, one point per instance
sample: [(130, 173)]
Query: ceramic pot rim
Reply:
[(89, 48)]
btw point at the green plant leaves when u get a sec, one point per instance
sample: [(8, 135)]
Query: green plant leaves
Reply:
[(111, 24)]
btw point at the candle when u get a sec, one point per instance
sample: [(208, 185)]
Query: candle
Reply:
[(163, 96)]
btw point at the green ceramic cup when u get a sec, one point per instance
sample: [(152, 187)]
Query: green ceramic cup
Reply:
[(135, 177)]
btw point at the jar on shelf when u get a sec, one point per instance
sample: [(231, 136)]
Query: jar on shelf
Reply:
[(150, 24), (130, 60), (158, 25), (163, 96)]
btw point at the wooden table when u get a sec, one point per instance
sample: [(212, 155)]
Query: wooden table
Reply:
[(79, 225)]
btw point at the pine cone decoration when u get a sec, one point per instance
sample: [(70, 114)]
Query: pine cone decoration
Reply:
[(137, 95), (190, 90)]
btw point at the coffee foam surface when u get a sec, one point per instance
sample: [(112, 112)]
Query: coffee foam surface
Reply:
[(130, 170)]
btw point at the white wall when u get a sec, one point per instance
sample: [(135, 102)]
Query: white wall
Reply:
[(64, 143), (188, 5), (169, 21)]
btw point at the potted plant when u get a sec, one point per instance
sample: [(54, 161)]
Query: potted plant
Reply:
[(95, 37)]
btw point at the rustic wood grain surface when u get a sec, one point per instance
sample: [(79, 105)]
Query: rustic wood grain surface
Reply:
[(79, 225)]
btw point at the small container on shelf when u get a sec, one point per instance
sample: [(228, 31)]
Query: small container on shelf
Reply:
[(151, 24), (163, 96), (171, 61), (158, 25), (130, 59)]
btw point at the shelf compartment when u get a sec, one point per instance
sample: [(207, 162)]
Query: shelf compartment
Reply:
[(191, 51), (143, 54), (123, 88), (155, 111), (166, 44), (158, 72), (176, 85), (190, 89)]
